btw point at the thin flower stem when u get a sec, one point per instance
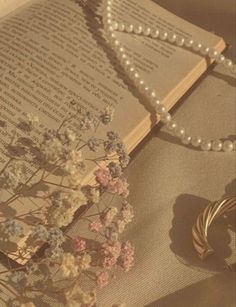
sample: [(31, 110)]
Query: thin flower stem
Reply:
[(6, 165), (32, 176), (87, 219), (58, 185), (11, 199), (86, 274), (91, 215), (81, 147), (98, 208), (31, 212)]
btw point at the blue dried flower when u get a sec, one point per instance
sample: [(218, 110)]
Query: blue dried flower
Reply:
[(40, 233), (93, 144), (55, 237), (115, 169), (113, 136), (12, 228)]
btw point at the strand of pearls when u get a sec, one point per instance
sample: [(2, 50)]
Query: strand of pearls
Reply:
[(112, 26)]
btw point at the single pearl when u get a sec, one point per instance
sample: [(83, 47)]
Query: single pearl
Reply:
[(228, 63), (109, 21), (138, 29), (136, 76), (116, 43), (180, 132), (115, 25), (213, 53), (110, 29), (160, 109), (123, 58), (141, 84), (186, 139), (171, 126), (153, 95), (172, 37), (113, 36), (131, 71), (197, 46), (163, 35), (155, 103), (129, 28), (121, 27), (196, 141), (228, 146), (220, 59), (147, 31), (189, 42), (166, 117), (217, 145), (205, 50), (147, 90), (155, 33), (206, 145), (121, 50), (180, 41), (127, 63)]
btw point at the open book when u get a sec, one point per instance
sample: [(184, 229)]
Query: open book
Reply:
[(53, 51)]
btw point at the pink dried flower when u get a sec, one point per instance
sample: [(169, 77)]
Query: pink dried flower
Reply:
[(78, 244), (126, 259), (108, 215), (118, 186), (108, 262), (95, 226), (102, 279), (103, 177), (110, 253)]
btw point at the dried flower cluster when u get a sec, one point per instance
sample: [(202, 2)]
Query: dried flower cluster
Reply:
[(68, 269)]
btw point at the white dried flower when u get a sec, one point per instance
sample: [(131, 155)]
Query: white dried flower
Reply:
[(14, 175), (107, 115), (76, 297), (71, 168), (69, 267), (70, 135), (63, 214), (32, 119), (60, 217), (52, 149), (84, 261), (11, 227), (76, 156)]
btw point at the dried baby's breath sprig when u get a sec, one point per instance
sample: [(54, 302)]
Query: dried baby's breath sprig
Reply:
[(51, 171)]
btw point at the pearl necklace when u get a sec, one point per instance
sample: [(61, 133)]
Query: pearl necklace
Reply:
[(111, 26)]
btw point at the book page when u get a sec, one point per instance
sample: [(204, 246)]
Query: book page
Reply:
[(7, 6), (53, 53)]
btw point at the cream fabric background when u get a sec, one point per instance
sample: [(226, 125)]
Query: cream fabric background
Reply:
[(170, 184)]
